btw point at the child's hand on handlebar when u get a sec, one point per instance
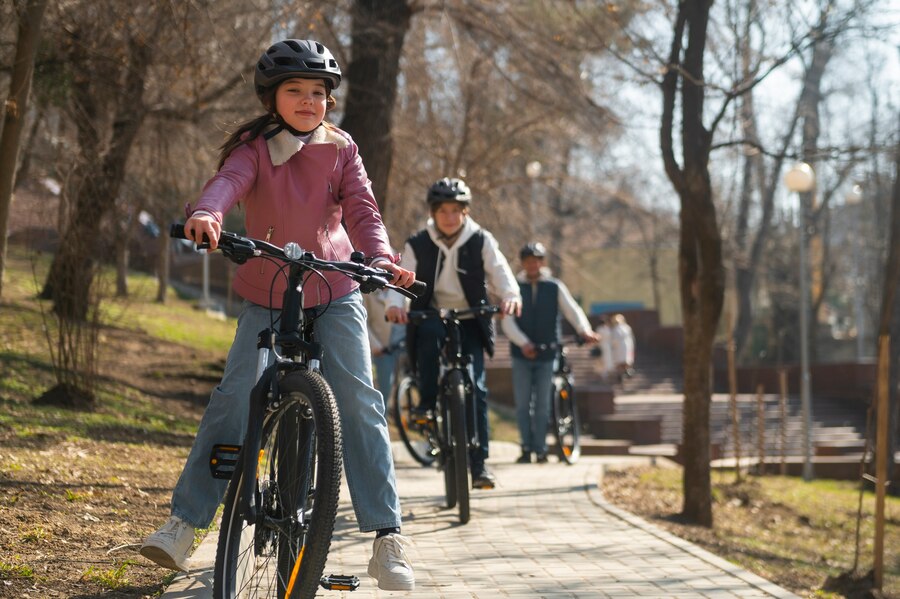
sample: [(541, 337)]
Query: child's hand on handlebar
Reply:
[(396, 315), (203, 224), (402, 277)]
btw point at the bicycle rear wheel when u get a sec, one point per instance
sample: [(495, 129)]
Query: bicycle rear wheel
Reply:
[(565, 423), (418, 437), (282, 551), (459, 441)]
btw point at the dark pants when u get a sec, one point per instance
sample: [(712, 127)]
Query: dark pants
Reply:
[(429, 340)]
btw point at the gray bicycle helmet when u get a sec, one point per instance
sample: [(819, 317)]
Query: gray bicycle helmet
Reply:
[(295, 58), (535, 249), (449, 190)]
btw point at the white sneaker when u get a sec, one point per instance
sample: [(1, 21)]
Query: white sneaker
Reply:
[(390, 565), (170, 545)]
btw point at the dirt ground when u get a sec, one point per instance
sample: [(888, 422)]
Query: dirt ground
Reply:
[(73, 511)]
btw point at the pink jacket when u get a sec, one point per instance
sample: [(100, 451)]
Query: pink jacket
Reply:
[(299, 192)]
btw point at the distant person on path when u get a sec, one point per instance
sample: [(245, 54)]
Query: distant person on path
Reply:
[(462, 264), (622, 342), (385, 340), (298, 178), (545, 300), (606, 365)]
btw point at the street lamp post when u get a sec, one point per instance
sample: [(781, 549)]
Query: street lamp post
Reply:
[(532, 171), (801, 179), (854, 197)]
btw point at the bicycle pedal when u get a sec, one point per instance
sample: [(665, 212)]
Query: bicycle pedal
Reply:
[(339, 582), (222, 460)]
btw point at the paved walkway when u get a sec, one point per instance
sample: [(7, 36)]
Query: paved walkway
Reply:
[(544, 532)]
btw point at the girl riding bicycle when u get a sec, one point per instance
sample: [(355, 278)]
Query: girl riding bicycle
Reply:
[(298, 177)]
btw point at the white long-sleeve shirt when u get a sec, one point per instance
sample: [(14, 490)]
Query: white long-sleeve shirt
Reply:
[(448, 291)]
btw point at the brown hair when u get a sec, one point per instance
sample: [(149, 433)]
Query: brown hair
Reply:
[(250, 130)]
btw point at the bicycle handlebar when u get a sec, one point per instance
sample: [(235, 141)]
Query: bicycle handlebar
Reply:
[(452, 313), (579, 341), (239, 249)]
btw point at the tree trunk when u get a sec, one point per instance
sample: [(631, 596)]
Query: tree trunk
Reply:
[(701, 275), (888, 317), (379, 28), (16, 107), (162, 266), (71, 273)]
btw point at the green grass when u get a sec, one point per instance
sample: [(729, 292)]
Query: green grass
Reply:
[(14, 570), (26, 369), (786, 528), (110, 579)]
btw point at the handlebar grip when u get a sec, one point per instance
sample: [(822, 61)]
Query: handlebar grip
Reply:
[(418, 287), (177, 231)]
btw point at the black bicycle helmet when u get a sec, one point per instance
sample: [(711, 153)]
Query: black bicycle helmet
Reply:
[(535, 249), (295, 58), (449, 190)]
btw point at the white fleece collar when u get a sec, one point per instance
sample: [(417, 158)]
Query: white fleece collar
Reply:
[(284, 144), (544, 275), (469, 228)]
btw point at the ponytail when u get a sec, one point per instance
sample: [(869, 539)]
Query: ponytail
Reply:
[(245, 133)]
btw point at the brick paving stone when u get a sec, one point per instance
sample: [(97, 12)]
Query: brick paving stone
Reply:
[(544, 532)]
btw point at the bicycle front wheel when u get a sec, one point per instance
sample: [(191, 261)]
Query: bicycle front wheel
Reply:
[(459, 441), (417, 436), (279, 547), (565, 423)]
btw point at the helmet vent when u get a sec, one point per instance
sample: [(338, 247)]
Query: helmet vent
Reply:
[(320, 49), (314, 64), (294, 45), (284, 61)]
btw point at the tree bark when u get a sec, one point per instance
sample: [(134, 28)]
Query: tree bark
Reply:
[(701, 275), (888, 318), (16, 107), (379, 28)]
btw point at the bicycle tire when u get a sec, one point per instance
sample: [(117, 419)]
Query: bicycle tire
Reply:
[(419, 441), (565, 423), (459, 439), (445, 455), (298, 474)]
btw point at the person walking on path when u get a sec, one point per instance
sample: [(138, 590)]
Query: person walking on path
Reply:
[(462, 264), (622, 346), (299, 178), (604, 352), (534, 344)]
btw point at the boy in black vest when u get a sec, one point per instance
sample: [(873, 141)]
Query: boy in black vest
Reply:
[(461, 263), (544, 300)]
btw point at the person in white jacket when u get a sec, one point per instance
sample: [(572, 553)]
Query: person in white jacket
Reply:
[(463, 266), (534, 344)]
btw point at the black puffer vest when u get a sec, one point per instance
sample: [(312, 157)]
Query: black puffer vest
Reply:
[(471, 277)]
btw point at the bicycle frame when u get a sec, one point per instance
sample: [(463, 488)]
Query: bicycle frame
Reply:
[(453, 357), (282, 515)]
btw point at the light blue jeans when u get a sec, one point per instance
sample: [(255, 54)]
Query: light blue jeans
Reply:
[(532, 384), (347, 368), (385, 364)]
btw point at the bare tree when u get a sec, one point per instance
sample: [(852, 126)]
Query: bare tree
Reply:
[(701, 273), (32, 13)]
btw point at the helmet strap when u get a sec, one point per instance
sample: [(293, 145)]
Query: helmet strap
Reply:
[(283, 125)]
